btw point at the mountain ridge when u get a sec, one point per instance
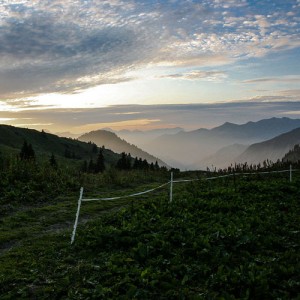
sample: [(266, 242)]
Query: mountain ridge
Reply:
[(191, 147), (272, 149), (45, 144)]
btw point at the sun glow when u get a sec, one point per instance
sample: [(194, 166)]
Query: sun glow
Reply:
[(129, 124)]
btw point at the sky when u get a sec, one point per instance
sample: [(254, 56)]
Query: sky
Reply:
[(81, 65)]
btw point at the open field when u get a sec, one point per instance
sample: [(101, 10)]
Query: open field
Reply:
[(217, 239)]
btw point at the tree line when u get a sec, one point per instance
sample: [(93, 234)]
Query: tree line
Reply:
[(126, 162)]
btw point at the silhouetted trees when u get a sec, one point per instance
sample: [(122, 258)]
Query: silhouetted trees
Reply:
[(124, 163), (94, 167), (27, 152), (100, 166)]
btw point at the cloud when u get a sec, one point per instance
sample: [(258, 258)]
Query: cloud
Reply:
[(188, 116), (199, 75), (56, 57), (290, 93), (289, 79), (66, 46), (128, 124)]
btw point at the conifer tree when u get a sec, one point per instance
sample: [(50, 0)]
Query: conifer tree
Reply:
[(27, 152), (136, 164), (124, 163), (100, 167)]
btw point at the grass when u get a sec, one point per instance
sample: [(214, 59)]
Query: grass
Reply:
[(216, 240)]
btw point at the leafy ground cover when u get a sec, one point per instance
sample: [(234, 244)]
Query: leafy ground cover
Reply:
[(216, 240)]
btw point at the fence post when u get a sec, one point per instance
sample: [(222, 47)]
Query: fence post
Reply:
[(171, 188), (291, 172), (77, 216)]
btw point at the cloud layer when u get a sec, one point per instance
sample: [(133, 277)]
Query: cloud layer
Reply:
[(188, 116), (66, 46)]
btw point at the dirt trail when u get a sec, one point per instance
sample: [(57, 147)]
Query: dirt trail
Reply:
[(57, 228)]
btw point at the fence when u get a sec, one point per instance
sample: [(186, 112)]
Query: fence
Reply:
[(171, 182)]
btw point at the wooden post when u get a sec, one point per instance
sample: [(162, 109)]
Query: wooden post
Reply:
[(77, 216)]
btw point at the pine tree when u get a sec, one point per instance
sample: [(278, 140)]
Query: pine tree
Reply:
[(145, 165), (27, 152), (128, 161), (136, 164), (100, 167), (121, 163), (94, 148), (124, 163)]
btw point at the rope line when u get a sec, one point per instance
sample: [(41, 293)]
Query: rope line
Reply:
[(179, 181), (127, 196)]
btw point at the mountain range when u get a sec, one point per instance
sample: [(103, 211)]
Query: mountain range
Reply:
[(252, 142), (198, 148)]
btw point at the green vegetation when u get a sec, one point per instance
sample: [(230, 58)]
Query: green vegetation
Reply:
[(221, 239)]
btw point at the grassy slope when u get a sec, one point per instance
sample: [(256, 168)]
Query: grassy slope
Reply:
[(12, 139), (210, 242)]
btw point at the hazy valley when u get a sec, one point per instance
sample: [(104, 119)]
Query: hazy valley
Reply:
[(252, 142)]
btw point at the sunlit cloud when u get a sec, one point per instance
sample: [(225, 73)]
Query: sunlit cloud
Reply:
[(127, 113), (33, 125), (199, 75), (4, 120), (129, 124), (294, 112)]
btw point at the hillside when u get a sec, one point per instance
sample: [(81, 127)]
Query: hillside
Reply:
[(112, 141), (190, 148), (222, 158), (293, 155), (272, 149), (12, 139)]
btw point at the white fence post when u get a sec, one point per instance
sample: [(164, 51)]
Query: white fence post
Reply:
[(77, 215), (291, 172), (171, 188)]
